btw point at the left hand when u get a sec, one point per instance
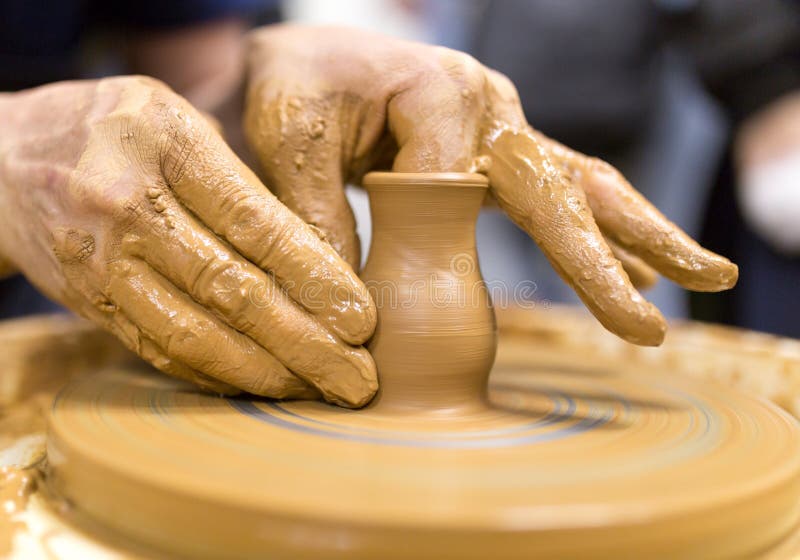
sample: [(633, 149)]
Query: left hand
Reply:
[(326, 105), (121, 202)]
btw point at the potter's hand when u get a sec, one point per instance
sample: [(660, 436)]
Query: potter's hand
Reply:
[(120, 201), (326, 105)]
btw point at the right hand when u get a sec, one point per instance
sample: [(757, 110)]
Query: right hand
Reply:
[(326, 105), (120, 201)]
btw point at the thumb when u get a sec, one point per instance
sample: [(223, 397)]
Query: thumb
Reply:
[(298, 142)]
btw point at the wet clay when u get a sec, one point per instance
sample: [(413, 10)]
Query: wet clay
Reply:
[(561, 460), (436, 336)]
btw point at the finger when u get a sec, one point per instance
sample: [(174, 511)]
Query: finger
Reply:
[(251, 302), (228, 198), (153, 354), (556, 215), (628, 218), (641, 275), (149, 351), (298, 143), (505, 105), (195, 337), (436, 121)]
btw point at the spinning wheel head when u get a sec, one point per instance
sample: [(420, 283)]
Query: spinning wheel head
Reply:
[(571, 462)]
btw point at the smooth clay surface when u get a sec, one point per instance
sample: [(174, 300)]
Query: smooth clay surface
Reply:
[(574, 460), (436, 336)]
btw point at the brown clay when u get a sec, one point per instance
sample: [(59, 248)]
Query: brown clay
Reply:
[(436, 336)]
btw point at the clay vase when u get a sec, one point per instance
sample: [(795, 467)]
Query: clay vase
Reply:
[(436, 336)]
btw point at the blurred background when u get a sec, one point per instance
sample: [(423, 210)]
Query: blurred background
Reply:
[(697, 102)]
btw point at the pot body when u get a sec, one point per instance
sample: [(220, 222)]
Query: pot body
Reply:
[(436, 336)]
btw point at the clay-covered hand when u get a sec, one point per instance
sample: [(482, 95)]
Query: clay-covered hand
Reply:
[(325, 105), (121, 201)]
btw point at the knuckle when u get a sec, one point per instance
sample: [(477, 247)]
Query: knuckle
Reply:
[(127, 333), (326, 356), (283, 128), (256, 220), (183, 336), (73, 245), (596, 165), (503, 85), (150, 353), (135, 81), (176, 144), (118, 206), (277, 244), (229, 286), (472, 70), (268, 384), (465, 71), (128, 130), (163, 134)]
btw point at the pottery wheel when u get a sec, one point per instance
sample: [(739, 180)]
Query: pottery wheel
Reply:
[(566, 462)]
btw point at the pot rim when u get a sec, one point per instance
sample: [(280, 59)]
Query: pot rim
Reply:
[(389, 178)]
